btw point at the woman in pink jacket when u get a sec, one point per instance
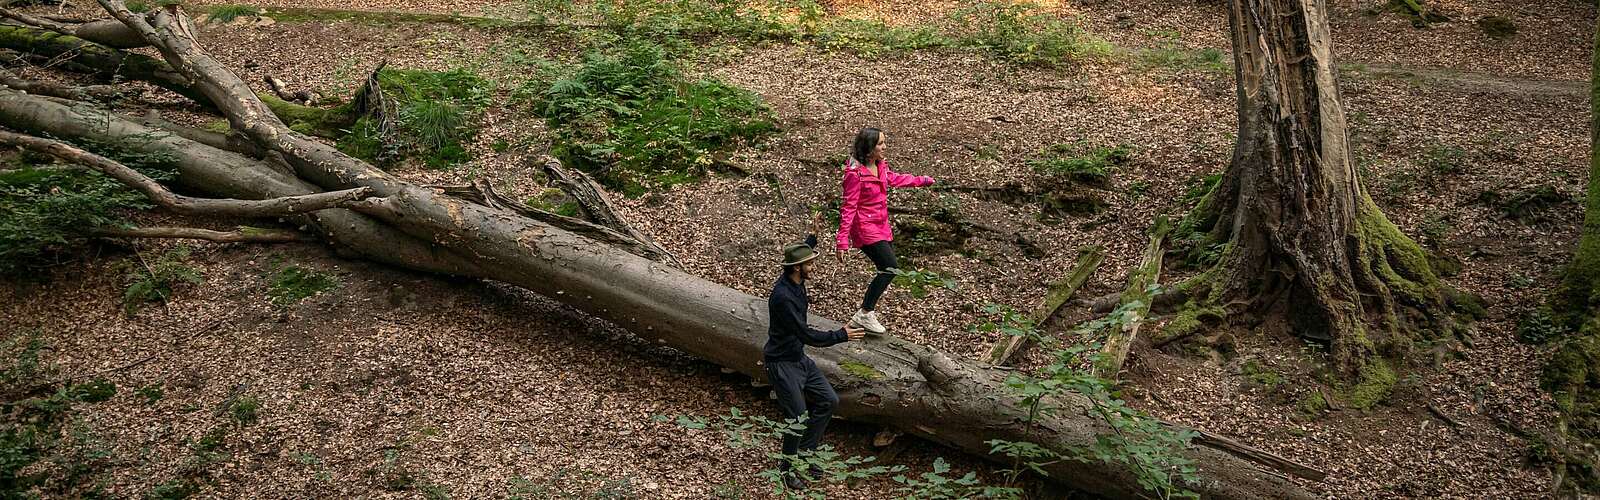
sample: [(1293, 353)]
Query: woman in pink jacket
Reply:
[(864, 217)]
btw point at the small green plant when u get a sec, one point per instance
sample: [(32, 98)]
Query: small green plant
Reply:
[(150, 393), (1149, 448), (935, 485), (245, 410), (1527, 204), (47, 211), (153, 281), (292, 284), (227, 13), (1539, 325), (435, 116), (1081, 163), (919, 282), (173, 489), (1261, 376), (1444, 160), (752, 431)]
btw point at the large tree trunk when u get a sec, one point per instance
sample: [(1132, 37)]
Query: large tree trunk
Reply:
[(1304, 241), (890, 382), (1579, 293)]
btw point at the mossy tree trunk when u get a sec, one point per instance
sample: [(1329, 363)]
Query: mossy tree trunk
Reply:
[(1303, 243), (1579, 293)]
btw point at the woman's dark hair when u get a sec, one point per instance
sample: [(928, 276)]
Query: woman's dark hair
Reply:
[(866, 141)]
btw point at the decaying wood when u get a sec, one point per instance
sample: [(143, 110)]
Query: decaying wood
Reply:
[(1258, 455), (483, 193), (243, 235), (102, 93), (288, 205), (1089, 259), (281, 89), (595, 205), (224, 141), (1120, 340), (1442, 415)]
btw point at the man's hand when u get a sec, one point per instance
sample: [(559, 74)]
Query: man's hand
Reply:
[(854, 333)]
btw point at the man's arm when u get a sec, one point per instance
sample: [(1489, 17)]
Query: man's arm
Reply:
[(795, 323)]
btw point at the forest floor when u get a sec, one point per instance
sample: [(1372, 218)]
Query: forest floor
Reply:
[(466, 386)]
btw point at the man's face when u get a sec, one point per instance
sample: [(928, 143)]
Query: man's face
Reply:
[(804, 269)]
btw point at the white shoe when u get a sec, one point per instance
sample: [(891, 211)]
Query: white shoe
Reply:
[(869, 321)]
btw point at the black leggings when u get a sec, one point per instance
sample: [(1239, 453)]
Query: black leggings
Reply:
[(882, 255)]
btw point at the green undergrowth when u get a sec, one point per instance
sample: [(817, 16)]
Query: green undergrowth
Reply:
[(1081, 162), (290, 284), (46, 209), (632, 117), (435, 114), (154, 279), (48, 444)]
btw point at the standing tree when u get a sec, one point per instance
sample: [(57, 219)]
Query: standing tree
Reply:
[(1302, 246), (1570, 374)]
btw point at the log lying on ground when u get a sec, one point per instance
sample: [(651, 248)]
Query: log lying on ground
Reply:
[(109, 32), (1120, 340), (241, 235), (226, 174), (885, 381), (1089, 259), (83, 56)]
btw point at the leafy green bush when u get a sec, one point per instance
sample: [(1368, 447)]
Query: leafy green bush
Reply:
[(1021, 32), (435, 117), (153, 281), (1538, 325), (635, 121), (873, 38), (46, 209), (1151, 449)]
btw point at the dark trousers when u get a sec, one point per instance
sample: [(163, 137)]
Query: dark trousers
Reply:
[(882, 255), (802, 390)]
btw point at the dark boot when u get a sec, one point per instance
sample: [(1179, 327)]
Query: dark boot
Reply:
[(793, 482)]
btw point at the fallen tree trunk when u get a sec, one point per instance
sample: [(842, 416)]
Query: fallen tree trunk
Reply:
[(890, 382)]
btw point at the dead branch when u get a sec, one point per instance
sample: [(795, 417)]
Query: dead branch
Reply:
[(595, 205), (102, 93), (282, 90), (243, 235), (288, 205), (108, 32), (1089, 260), (1120, 341), (223, 141), (482, 193)]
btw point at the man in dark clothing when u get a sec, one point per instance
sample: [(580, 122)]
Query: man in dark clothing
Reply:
[(800, 386)]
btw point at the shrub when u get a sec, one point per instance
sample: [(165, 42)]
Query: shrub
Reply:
[(631, 118), (1021, 33), (435, 117), (46, 210), (1081, 163), (227, 13)]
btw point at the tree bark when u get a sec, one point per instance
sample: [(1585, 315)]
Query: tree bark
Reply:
[(891, 382), (243, 235), (1305, 243), (1137, 297), (1575, 300), (285, 205), (1089, 259)]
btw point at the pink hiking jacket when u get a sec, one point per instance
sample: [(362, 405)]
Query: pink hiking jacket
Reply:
[(864, 216)]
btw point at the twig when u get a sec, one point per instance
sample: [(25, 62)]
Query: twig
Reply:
[(1442, 416)]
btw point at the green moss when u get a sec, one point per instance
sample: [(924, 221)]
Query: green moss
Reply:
[(1192, 318), (1396, 259), (1312, 404), (292, 284), (1467, 305), (310, 120), (1262, 376), (861, 370), (218, 126), (1376, 380)]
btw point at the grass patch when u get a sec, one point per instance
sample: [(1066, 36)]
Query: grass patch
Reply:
[(245, 410), (630, 117), (436, 115), (1023, 33), (46, 446), (1080, 162), (228, 13), (292, 284)]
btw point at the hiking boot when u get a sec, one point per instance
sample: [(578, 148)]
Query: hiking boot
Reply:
[(815, 473), (793, 482), (868, 321)]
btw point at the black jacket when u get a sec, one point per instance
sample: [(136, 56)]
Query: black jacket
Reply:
[(787, 332)]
